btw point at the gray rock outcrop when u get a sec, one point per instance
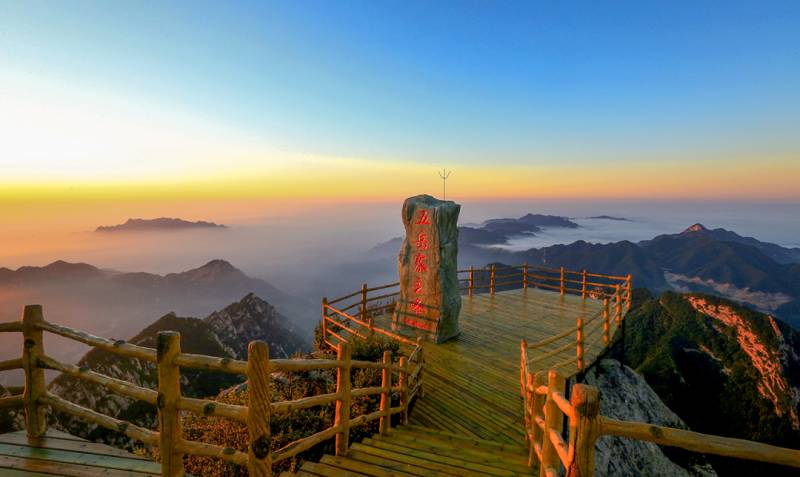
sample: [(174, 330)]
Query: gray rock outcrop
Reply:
[(625, 395)]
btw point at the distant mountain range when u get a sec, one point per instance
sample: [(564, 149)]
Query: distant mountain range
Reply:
[(224, 333), (161, 223), (609, 217), (117, 305), (763, 275), (498, 231), (723, 368)]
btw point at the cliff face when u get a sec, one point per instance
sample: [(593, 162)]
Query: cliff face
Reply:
[(767, 354), (626, 396), (723, 368)]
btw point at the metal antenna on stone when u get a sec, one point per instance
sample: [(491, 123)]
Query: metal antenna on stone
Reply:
[(444, 174)]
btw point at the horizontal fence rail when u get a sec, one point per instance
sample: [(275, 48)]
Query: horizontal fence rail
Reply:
[(403, 378), (354, 314), (546, 407)]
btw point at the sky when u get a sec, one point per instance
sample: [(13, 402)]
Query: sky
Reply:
[(116, 109)]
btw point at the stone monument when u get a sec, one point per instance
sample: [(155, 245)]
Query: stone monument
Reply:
[(430, 299)]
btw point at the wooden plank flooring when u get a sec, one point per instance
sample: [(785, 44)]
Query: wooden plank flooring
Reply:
[(472, 381), (62, 454), (411, 451)]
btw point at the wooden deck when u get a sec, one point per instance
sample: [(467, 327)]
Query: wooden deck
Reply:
[(469, 421), (63, 454), (472, 382)]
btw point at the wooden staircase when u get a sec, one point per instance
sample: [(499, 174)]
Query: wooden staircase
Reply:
[(410, 451)]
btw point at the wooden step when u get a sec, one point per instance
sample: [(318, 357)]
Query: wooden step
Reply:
[(462, 440), (411, 464), (414, 451), (495, 457)]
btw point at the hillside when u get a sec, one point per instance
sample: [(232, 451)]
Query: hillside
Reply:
[(224, 333), (723, 368)]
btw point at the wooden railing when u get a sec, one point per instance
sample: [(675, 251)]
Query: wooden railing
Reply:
[(546, 406), (583, 283), (354, 314), (586, 334), (169, 359)]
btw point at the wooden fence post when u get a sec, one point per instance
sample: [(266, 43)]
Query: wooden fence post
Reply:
[(605, 321), (259, 454), (523, 354), (583, 285), (629, 294), (579, 344), (403, 383), (32, 350), (584, 432), (168, 346), (561, 287), (386, 394), (554, 421), (342, 419), (363, 310), (525, 276), (491, 280), (471, 279), (618, 305), (528, 395), (537, 414), (324, 321)]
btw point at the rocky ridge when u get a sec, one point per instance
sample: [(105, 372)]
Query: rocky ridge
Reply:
[(216, 335)]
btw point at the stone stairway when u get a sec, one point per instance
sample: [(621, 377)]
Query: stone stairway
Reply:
[(420, 451)]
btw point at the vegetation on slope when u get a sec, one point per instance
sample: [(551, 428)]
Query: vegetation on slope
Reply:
[(296, 425), (723, 368)]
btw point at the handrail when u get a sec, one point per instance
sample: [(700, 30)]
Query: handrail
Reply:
[(370, 326), (404, 378), (119, 347), (117, 385), (545, 406), (699, 442)]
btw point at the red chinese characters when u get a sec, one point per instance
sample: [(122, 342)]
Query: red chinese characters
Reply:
[(420, 264), (421, 268), (418, 286), (417, 306), (422, 241)]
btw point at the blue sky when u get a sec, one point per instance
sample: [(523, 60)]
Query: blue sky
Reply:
[(451, 82)]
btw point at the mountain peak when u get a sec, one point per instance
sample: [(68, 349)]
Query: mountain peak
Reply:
[(219, 265), (250, 319), (698, 227)]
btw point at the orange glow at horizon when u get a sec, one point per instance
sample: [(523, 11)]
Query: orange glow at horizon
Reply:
[(346, 180)]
